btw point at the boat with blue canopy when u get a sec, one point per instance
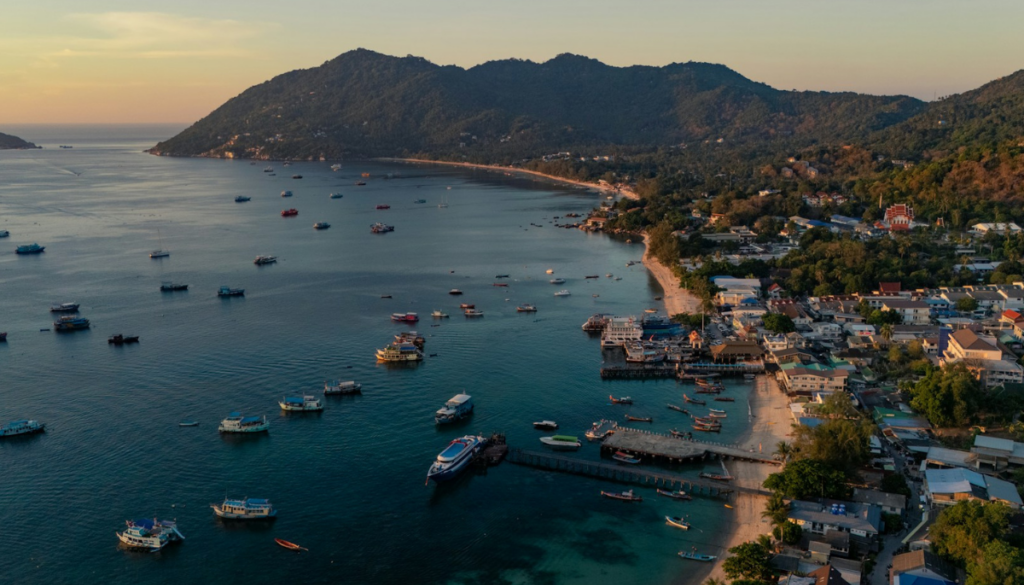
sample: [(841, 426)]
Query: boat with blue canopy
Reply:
[(244, 509), (456, 456)]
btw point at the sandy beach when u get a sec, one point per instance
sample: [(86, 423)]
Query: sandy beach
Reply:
[(627, 193), (677, 299), (770, 424)]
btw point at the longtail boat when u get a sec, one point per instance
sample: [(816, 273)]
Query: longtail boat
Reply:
[(693, 400)]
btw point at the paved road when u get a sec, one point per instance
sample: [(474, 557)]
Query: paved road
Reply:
[(880, 574)]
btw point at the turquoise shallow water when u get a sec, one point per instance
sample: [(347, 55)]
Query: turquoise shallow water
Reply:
[(349, 483)]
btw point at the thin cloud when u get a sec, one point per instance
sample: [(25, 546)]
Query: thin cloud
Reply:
[(156, 35)]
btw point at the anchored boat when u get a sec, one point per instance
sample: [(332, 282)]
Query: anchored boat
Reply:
[(244, 509), (457, 408), (677, 521), (626, 496), (332, 387), (562, 442), (64, 308), (623, 457), (151, 535), (70, 323), (545, 425), (697, 556), (30, 249), (677, 495), (226, 291), (236, 423), (301, 404), (22, 427)]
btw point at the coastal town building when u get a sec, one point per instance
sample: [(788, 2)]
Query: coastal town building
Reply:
[(997, 454), (911, 312), (982, 357), (946, 487), (921, 567), (862, 521)]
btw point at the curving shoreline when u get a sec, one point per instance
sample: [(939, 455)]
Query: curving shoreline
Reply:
[(627, 193), (675, 298)]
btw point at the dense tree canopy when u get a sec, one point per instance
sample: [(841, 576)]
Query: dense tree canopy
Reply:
[(809, 478), (948, 397)]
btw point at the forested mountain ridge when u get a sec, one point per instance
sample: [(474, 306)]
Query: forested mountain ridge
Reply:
[(364, 103)]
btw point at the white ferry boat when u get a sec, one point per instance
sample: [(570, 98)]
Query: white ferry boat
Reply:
[(338, 387), (244, 509), (563, 293), (457, 408), (64, 308), (151, 535), (455, 457), (301, 404), (439, 314), (21, 427), (399, 353), (236, 423), (562, 442), (619, 331), (637, 352)]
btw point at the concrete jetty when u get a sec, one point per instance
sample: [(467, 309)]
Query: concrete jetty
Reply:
[(668, 448)]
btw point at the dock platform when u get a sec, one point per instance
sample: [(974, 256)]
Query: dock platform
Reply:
[(670, 449), (637, 372), (626, 474)]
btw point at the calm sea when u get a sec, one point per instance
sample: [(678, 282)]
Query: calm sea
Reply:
[(348, 483)]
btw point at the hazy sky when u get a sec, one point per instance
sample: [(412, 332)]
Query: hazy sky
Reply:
[(106, 61)]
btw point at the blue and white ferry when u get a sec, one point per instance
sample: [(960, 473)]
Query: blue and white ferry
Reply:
[(455, 458), (244, 509)]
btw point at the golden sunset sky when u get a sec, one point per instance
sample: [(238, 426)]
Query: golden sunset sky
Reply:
[(107, 61)]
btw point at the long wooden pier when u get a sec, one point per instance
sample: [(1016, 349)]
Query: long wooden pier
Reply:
[(637, 372), (624, 474), (672, 449), (722, 369)]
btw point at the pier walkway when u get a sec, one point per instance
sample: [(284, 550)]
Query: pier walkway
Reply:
[(637, 372), (626, 474), (723, 369), (671, 449)]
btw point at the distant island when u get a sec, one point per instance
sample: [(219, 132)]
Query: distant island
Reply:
[(9, 142)]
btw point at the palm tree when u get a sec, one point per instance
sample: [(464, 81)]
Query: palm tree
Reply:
[(776, 510), (886, 332), (784, 450)]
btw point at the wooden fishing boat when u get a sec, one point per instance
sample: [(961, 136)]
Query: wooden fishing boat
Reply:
[(626, 496), (677, 495), (693, 400), (717, 476), (677, 522), (697, 556), (679, 434), (623, 400), (678, 409), (639, 419), (717, 415), (289, 545), (622, 457), (188, 423), (708, 429), (724, 399), (708, 390)]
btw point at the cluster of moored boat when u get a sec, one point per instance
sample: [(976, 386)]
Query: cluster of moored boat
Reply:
[(673, 521), (406, 347), (153, 535)]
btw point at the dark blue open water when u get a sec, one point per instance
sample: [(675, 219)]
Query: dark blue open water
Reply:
[(348, 483)]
